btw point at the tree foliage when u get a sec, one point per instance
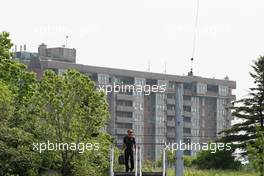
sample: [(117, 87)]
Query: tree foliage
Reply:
[(249, 111), (16, 155), (60, 109), (256, 153), (220, 160), (68, 109)]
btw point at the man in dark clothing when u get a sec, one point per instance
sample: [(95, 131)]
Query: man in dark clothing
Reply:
[(129, 143)]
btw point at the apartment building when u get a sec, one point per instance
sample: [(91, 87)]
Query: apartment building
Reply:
[(151, 115)]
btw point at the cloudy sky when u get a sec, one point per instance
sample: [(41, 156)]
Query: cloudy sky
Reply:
[(127, 34)]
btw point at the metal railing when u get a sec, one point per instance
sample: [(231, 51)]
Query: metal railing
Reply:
[(138, 163)]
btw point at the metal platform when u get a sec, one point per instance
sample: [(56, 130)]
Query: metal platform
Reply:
[(138, 165), (133, 174), (124, 174), (151, 173)]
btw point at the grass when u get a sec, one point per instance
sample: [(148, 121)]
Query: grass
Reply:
[(194, 172)]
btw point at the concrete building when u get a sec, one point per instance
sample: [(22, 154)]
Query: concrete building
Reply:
[(204, 101)]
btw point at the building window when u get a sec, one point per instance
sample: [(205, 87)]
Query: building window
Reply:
[(171, 85), (187, 130), (201, 88), (223, 90), (187, 98), (187, 108), (187, 119), (212, 88)]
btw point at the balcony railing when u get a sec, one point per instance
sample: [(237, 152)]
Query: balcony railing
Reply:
[(171, 101), (187, 103), (121, 131), (125, 108), (124, 119), (187, 125), (171, 134), (171, 112), (171, 123), (187, 114), (124, 97)]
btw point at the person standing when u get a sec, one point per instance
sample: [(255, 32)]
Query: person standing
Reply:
[(129, 143)]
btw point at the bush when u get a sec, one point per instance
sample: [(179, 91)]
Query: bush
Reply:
[(188, 161), (219, 160)]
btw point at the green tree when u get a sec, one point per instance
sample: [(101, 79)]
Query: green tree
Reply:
[(19, 80), (5, 46), (68, 109), (16, 155), (256, 153), (60, 108), (6, 103), (249, 111)]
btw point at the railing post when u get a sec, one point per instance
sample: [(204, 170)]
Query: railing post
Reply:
[(136, 166), (140, 161), (164, 162), (112, 161)]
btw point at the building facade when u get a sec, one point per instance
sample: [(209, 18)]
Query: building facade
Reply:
[(151, 114)]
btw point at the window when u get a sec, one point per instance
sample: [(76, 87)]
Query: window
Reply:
[(187, 108), (187, 98), (223, 90), (103, 79), (187, 86), (187, 130), (201, 88), (212, 88), (187, 119), (171, 85), (203, 112)]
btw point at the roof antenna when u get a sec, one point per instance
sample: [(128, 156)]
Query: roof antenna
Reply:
[(66, 44), (148, 66), (194, 37), (190, 73), (165, 67)]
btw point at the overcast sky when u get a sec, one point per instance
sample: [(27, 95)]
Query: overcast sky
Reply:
[(126, 34)]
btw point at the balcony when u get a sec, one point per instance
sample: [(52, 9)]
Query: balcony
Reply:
[(171, 123), (187, 92), (124, 119), (170, 90), (187, 114), (125, 108), (187, 134), (187, 103), (124, 97), (121, 131), (171, 101), (187, 125), (171, 112), (211, 94), (171, 134)]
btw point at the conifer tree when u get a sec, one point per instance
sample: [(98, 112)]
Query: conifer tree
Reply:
[(249, 111)]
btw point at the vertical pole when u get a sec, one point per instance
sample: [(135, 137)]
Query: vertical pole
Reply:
[(164, 162), (179, 130), (136, 167), (112, 161), (140, 161), (66, 41)]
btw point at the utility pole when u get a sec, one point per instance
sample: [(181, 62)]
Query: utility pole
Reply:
[(179, 129)]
